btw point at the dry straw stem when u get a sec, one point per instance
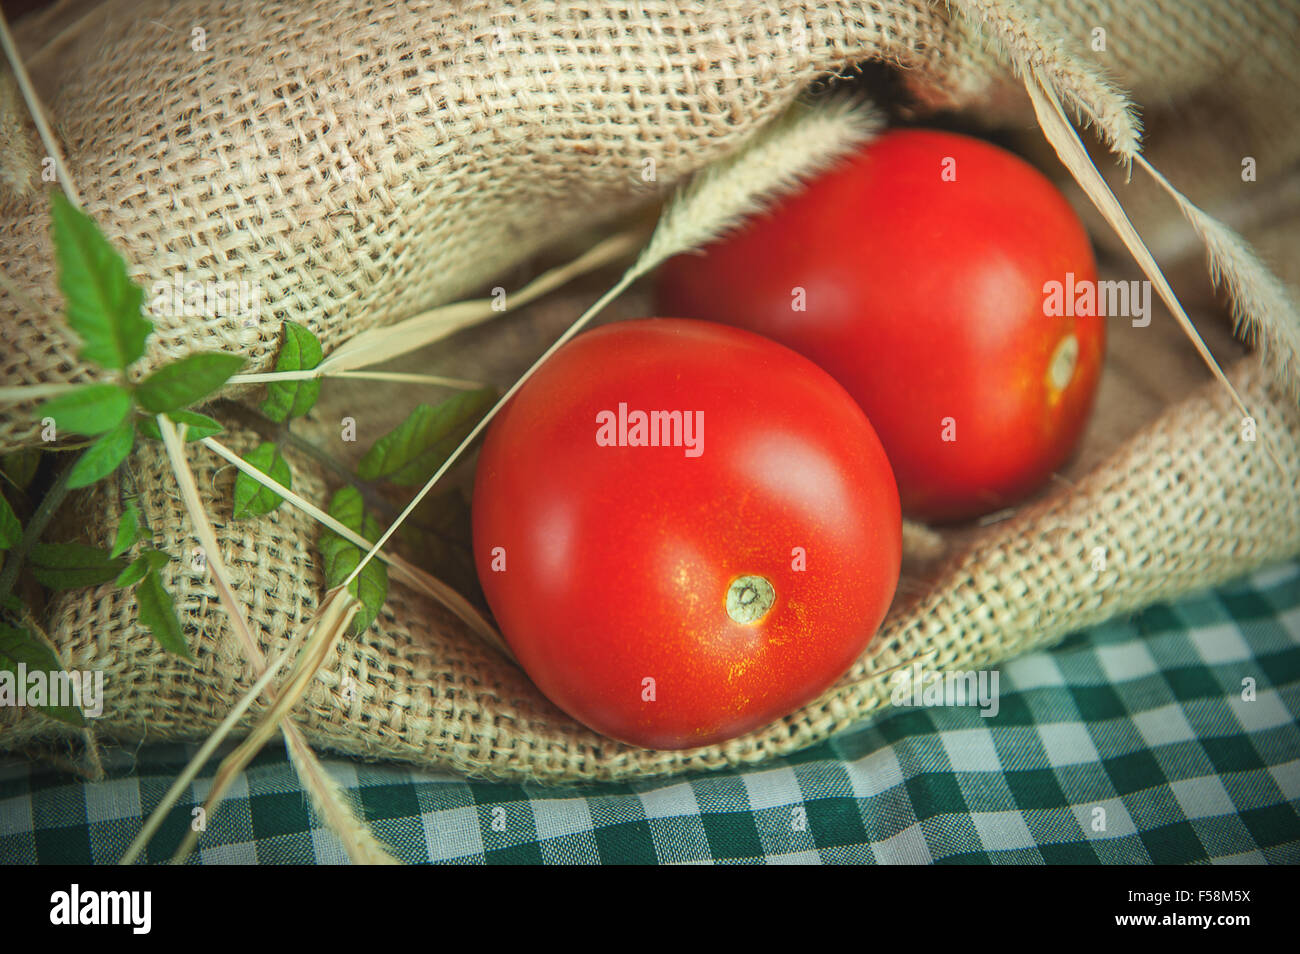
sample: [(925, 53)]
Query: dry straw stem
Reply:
[(325, 629), (1056, 127), (35, 392), (1262, 310), (360, 846), (38, 112), (1031, 51), (413, 576), (876, 674), (354, 831), (200, 758), (383, 344), (807, 139), (400, 377)]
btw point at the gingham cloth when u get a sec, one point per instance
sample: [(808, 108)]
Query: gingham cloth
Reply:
[(1128, 743)]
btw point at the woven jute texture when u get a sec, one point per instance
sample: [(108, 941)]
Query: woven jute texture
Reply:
[(1186, 502), (360, 165)]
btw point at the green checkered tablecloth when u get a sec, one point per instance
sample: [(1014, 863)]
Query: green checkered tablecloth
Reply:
[(1128, 743)]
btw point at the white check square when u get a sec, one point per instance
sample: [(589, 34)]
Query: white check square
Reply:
[(971, 750), (1123, 662), (1164, 726), (1220, 644), (1002, 831), (1068, 743), (1203, 797)]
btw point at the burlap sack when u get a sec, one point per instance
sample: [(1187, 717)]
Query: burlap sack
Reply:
[(361, 165)]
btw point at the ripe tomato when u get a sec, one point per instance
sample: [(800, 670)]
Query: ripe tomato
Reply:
[(677, 595), (925, 298)]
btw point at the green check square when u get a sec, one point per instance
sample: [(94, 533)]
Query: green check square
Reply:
[(934, 794), (1013, 709), (174, 828), (821, 752), (497, 793), (282, 813), (1036, 788), (835, 822), (1097, 703), (907, 723), (1174, 844), (1232, 753), (1272, 825), (1071, 642), (856, 744), (732, 834), (1247, 606), (1069, 853), (1192, 682), (1281, 668), (1157, 620), (70, 845), (1134, 772), (524, 853), (389, 801), (626, 843)]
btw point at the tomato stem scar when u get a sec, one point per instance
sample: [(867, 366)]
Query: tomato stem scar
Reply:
[(749, 598), (1064, 360)]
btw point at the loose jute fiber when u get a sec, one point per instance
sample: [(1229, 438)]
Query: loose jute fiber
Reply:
[(362, 164)]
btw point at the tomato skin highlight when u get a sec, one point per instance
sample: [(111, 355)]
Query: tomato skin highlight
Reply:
[(925, 299), (619, 559)]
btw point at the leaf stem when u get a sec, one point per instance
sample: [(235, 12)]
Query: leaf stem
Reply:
[(35, 527), (270, 430)]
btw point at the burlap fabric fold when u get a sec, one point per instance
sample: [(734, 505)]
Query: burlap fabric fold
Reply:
[(359, 165)]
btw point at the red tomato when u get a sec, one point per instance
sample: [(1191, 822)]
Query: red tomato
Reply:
[(925, 298), (679, 595)]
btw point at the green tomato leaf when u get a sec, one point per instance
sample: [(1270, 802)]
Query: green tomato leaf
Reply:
[(251, 498), (133, 574), (341, 557), (301, 351), (103, 304), (129, 530), (103, 457), (11, 529), (198, 425), (70, 566), (92, 409), (20, 646), (416, 448), (371, 589), (145, 563), (177, 385), (20, 466), (348, 508), (156, 610)]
